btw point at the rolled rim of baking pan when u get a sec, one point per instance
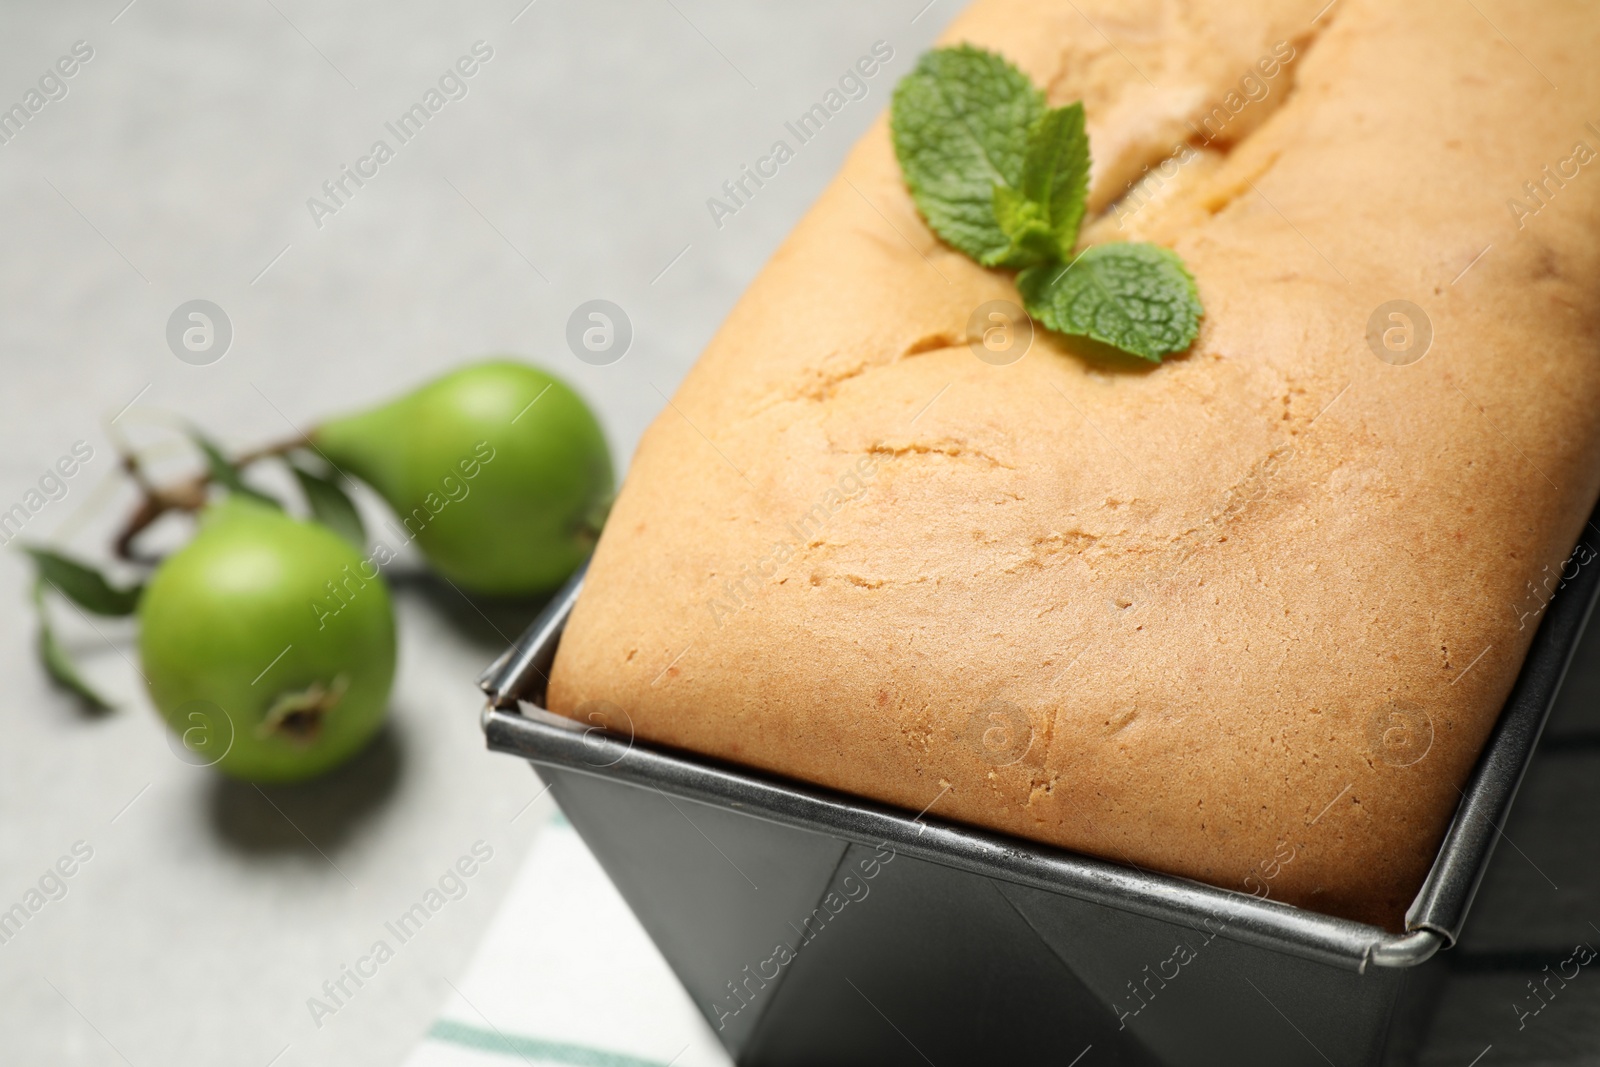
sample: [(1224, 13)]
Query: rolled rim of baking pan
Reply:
[(516, 723)]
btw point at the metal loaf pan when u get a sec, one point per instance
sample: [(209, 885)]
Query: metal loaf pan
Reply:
[(813, 928)]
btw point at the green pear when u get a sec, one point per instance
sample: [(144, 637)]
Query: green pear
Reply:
[(498, 471), (268, 644)]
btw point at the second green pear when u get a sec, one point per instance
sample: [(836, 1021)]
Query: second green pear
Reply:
[(499, 471)]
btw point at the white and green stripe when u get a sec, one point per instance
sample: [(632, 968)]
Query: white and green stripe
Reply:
[(539, 1050)]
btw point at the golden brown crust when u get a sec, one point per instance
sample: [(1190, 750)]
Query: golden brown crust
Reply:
[(1252, 613)]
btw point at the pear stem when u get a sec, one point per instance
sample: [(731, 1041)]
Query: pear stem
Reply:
[(190, 494)]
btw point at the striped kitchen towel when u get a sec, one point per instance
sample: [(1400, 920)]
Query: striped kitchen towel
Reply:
[(566, 975)]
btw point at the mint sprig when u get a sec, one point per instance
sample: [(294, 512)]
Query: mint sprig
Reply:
[(1042, 216), (1005, 179), (1136, 297), (960, 122)]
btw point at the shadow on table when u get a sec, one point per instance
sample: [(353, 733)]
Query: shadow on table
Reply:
[(326, 812), (493, 623)]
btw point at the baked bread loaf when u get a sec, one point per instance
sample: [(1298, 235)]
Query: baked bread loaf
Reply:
[(1247, 616)]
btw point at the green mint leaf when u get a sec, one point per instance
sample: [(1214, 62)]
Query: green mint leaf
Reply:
[(1002, 178), (960, 123), (82, 584), (1055, 182), (57, 664), (1136, 297), (225, 473), (1025, 224), (330, 505)]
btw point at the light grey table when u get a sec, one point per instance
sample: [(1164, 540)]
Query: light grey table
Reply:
[(177, 166)]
